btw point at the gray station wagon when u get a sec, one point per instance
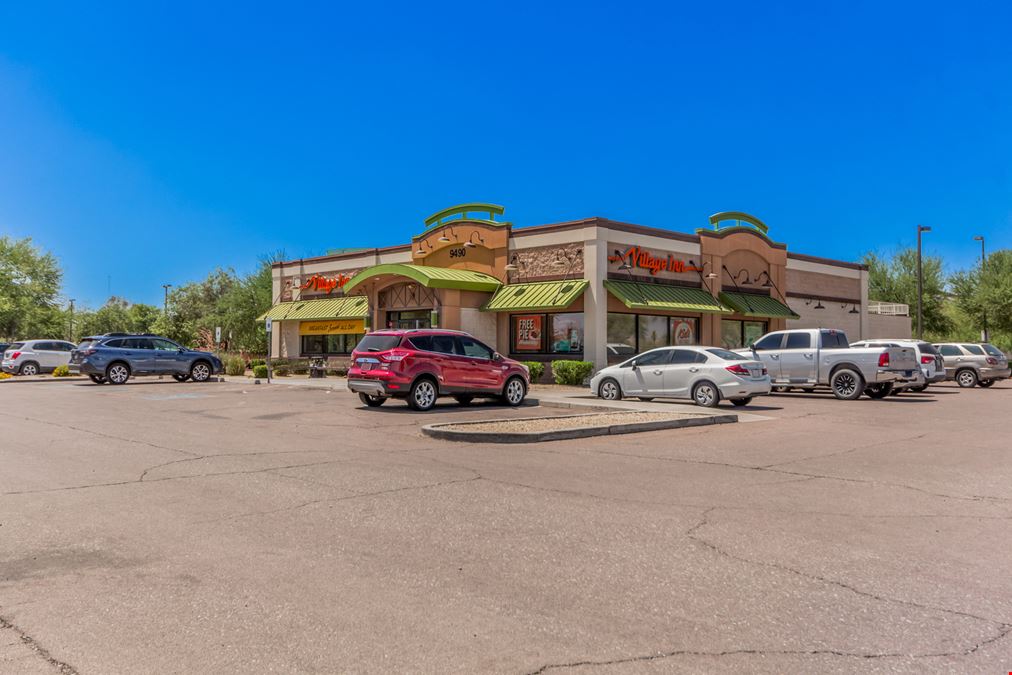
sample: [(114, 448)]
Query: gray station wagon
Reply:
[(116, 357)]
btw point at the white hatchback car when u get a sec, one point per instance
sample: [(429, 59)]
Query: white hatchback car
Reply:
[(32, 357), (704, 374)]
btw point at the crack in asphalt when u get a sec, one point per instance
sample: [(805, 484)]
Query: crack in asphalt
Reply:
[(1004, 629), (848, 451), (27, 640)]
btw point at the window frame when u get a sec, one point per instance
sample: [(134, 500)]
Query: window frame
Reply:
[(638, 349), (547, 330)]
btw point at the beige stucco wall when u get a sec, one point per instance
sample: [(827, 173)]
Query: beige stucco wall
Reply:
[(882, 326)]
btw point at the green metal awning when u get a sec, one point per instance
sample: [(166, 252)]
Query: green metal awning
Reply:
[(537, 295), (430, 277), (348, 307), (757, 305), (637, 295)]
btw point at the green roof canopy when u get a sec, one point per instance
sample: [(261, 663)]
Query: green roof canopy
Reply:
[(348, 307), (536, 295), (431, 277), (757, 305), (637, 295)]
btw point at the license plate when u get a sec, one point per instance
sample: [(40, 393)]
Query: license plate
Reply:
[(363, 362), (908, 373), (755, 372)]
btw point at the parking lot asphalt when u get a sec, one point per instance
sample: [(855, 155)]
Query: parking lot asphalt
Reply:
[(181, 528)]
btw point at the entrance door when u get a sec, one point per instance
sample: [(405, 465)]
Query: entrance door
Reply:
[(419, 318)]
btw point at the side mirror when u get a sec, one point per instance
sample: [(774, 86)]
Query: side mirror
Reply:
[(496, 356), (181, 350), (633, 364)]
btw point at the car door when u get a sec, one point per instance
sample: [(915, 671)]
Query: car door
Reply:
[(767, 350), (44, 355), (480, 372), (646, 375), (141, 354), (451, 367), (168, 357), (681, 372), (951, 354), (798, 364)]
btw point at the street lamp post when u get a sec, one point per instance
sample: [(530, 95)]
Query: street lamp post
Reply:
[(983, 268), (920, 283), (165, 307), (71, 337)]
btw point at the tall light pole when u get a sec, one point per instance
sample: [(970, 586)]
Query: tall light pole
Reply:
[(165, 307), (71, 337), (920, 283), (983, 268)]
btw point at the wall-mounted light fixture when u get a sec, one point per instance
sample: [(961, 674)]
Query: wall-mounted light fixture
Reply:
[(443, 239), (470, 243), (422, 251), (854, 310)]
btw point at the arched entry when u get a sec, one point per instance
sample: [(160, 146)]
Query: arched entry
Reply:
[(407, 305)]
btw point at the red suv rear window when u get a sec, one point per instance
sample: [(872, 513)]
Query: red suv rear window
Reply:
[(377, 343)]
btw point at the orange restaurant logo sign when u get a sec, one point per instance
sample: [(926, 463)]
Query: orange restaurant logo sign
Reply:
[(638, 257), (318, 282)]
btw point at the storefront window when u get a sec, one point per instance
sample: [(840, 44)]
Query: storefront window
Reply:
[(736, 334), (528, 332), (567, 333), (683, 331), (653, 332), (327, 345), (621, 336)]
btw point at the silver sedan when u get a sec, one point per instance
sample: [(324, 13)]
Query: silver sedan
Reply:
[(704, 374)]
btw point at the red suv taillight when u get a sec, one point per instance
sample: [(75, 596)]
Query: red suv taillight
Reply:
[(926, 360), (883, 359), (738, 369), (395, 356)]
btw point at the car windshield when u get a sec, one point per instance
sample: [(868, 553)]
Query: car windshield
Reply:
[(727, 355), (993, 351), (377, 343)]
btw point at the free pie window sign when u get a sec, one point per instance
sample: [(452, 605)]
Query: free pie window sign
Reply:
[(641, 258), (528, 332)]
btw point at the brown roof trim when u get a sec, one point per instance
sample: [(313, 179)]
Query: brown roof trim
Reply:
[(720, 234), (604, 222), (344, 256), (827, 261)]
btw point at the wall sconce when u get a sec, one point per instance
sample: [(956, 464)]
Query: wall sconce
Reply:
[(854, 310), (470, 240), (819, 305), (766, 284), (745, 280), (443, 239), (422, 251)]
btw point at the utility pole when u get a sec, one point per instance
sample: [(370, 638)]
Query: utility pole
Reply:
[(983, 269), (71, 337), (165, 307), (920, 283)]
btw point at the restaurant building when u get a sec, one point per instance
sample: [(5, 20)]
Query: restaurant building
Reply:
[(592, 289)]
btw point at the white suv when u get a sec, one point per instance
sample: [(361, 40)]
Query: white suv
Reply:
[(932, 365), (32, 357)]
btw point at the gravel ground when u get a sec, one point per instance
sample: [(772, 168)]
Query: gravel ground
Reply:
[(567, 422)]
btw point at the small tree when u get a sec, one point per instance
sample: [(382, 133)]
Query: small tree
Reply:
[(894, 279)]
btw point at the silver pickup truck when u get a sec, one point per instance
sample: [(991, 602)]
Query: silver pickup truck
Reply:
[(819, 357)]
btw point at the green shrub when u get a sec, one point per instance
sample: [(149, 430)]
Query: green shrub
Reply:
[(260, 371), (300, 370), (253, 363), (235, 365), (537, 369), (571, 372), (62, 371), (281, 371)]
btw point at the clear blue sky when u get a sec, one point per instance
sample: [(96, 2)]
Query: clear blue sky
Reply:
[(151, 142)]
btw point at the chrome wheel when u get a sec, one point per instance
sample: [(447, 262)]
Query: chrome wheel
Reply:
[(29, 369), (610, 390), (200, 372), (515, 392), (118, 373), (424, 395), (705, 395)]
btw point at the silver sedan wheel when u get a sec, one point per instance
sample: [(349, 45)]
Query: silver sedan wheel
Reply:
[(705, 394), (966, 378), (515, 392), (200, 372), (118, 374), (29, 369), (425, 395), (609, 390)]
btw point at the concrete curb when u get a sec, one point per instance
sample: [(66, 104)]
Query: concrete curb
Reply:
[(438, 430)]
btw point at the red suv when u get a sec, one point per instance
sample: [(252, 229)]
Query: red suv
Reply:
[(424, 364)]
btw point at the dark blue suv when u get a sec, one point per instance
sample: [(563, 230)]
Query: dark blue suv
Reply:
[(116, 357)]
